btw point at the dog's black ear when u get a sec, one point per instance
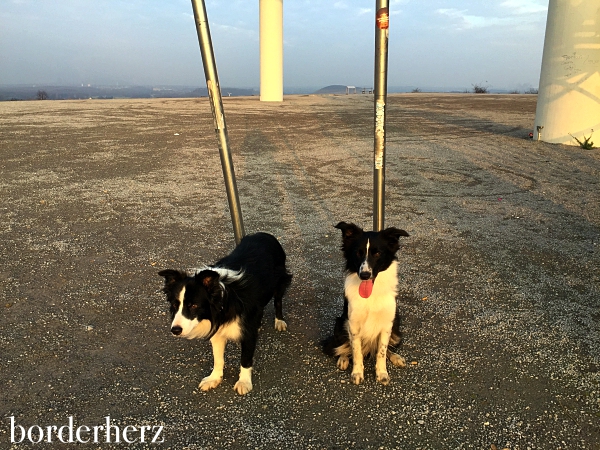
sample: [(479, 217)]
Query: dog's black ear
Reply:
[(392, 235), (349, 232), (172, 276), (210, 280)]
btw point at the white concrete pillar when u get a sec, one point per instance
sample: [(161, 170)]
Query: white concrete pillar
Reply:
[(569, 91), (271, 50)]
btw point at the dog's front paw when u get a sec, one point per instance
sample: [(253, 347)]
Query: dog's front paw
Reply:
[(280, 325), (383, 378), (242, 387), (210, 382), (357, 377), (343, 362)]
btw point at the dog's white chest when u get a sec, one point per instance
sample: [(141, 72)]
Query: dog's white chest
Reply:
[(368, 316), (230, 331)]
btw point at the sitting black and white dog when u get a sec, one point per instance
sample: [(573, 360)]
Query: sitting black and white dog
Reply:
[(226, 301), (369, 322)]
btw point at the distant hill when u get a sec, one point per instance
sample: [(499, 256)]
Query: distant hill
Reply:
[(339, 89), (30, 92)]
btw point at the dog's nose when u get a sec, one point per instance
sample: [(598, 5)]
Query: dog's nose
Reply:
[(364, 275), (176, 330)]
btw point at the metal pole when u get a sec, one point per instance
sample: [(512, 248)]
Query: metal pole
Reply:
[(216, 103), (382, 21)]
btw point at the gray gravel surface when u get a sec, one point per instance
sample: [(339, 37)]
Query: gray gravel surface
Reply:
[(499, 284)]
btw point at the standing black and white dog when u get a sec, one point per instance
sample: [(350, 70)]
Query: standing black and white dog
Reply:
[(369, 322), (226, 301)]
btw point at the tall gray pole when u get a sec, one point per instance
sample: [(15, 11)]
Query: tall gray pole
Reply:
[(380, 90), (216, 103)]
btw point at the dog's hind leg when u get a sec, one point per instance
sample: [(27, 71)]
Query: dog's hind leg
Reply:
[(395, 339), (214, 379), (343, 362), (282, 286), (396, 359)]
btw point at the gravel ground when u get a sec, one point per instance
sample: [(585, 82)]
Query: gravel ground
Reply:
[(499, 300)]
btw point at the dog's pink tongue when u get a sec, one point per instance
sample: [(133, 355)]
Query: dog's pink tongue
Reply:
[(365, 288)]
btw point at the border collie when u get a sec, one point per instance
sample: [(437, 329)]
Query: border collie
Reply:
[(369, 322), (226, 301)]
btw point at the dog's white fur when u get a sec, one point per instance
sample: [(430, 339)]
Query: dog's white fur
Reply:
[(370, 323)]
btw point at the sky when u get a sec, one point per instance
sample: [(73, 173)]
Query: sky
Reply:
[(432, 43)]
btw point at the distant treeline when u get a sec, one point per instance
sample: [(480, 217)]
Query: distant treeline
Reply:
[(39, 92)]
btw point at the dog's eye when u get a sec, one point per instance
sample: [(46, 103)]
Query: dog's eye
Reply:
[(377, 254), (193, 306), (360, 253)]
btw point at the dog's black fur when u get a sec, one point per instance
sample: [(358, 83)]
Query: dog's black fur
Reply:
[(226, 300)]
